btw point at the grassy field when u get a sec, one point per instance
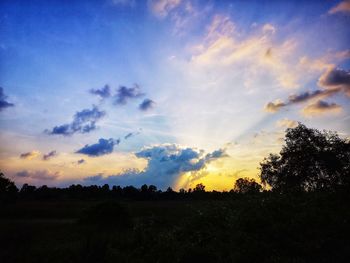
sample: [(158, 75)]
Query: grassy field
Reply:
[(242, 228)]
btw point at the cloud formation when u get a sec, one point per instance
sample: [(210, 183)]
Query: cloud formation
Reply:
[(146, 105), (274, 106), (83, 122), (124, 94), (3, 100), (336, 80), (81, 161), (321, 107), (94, 178), (30, 155), (103, 93), (342, 7), (104, 146), (38, 175), (286, 123), (161, 8), (49, 155), (332, 81), (165, 163)]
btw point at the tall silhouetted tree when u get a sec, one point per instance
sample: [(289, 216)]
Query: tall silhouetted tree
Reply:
[(199, 188), (310, 160), (8, 188), (246, 185)]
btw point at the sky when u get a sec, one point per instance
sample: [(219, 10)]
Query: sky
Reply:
[(165, 92)]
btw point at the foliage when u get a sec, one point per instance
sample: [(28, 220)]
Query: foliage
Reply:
[(8, 189), (310, 160), (246, 185)]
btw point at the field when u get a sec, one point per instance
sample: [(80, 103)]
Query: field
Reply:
[(261, 227)]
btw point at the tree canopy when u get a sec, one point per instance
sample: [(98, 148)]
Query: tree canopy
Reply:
[(310, 160)]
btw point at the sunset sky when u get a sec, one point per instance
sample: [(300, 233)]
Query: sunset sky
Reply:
[(165, 92)]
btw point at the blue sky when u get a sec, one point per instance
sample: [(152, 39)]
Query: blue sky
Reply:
[(226, 76)]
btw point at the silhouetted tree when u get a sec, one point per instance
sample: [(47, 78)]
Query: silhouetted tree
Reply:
[(310, 160), (8, 188), (246, 185), (199, 188)]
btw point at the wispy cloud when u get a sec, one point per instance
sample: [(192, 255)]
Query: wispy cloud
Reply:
[(321, 107), (83, 122), (161, 8), (103, 93), (38, 175), (3, 101), (30, 155), (342, 7), (102, 147), (125, 94), (49, 155), (146, 105), (286, 123)]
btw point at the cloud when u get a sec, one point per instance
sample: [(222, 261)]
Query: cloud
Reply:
[(268, 28), (310, 95), (123, 2), (300, 98), (161, 8), (81, 161), (38, 175), (49, 155), (29, 155), (342, 7), (104, 92), (286, 123), (3, 100), (104, 146), (165, 163), (83, 122), (94, 178), (146, 105), (321, 107), (124, 94), (274, 106), (336, 79), (225, 47)]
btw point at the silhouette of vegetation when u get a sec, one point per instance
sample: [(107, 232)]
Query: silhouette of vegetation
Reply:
[(310, 160), (303, 216), (246, 185), (8, 189)]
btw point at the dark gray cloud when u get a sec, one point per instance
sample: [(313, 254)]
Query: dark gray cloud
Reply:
[(321, 107), (132, 134), (83, 122), (104, 92), (104, 146), (300, 98), (3, 100), (146, 105), (309, 95), (81, 161), (165, 163), (124, 94), (49, 155), (336, 79), (30, 155), (38, 175), (333, 81)]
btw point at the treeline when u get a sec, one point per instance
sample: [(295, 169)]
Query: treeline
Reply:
[(310, 161), (145, 192)]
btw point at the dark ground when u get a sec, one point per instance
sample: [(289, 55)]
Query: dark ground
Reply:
[(263, 227)]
